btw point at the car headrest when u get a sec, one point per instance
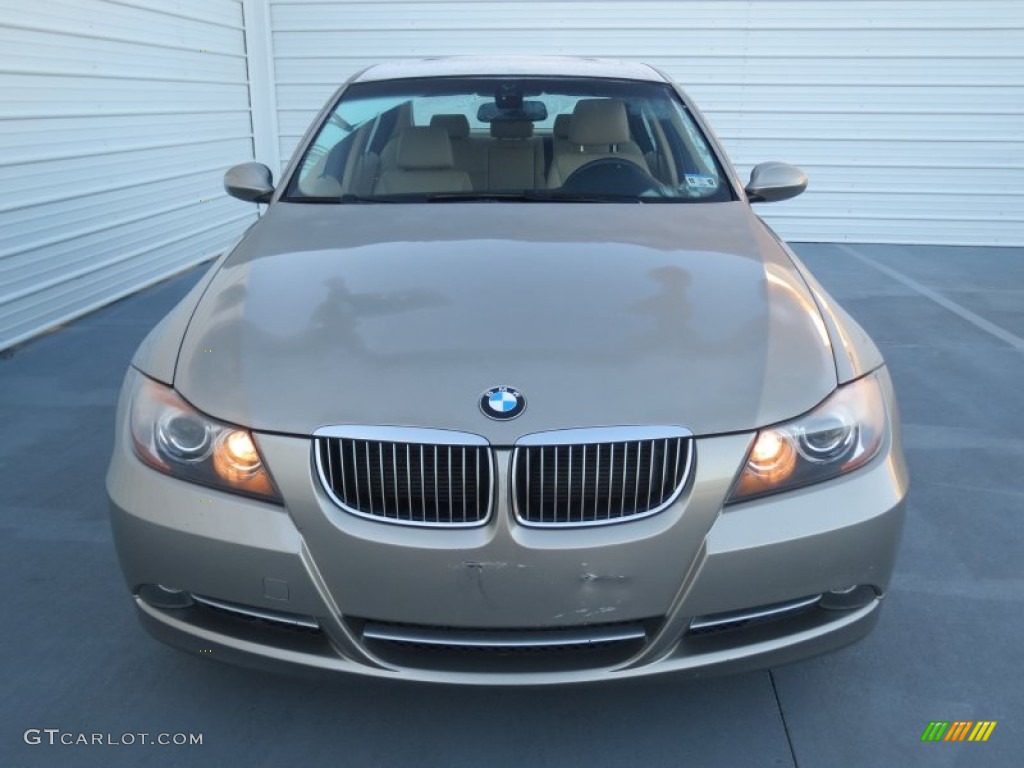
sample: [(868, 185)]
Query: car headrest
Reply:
[(457, 126), (561, 127), (511, 129), (599, 121), (420, 148)]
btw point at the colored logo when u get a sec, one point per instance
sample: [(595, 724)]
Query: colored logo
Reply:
[(958, 730), (502, 403)]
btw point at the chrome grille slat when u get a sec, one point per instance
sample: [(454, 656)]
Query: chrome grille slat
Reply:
[(529, 475), (278, 617), (636, 481), (750, 615), (555, 509), (408, 477), (330, 465), (344, 482), (583, 479), (550, 469), (383, 482), (541, 510), (423, 476), (665, 458), (675, 473), (447, 483), (650, 476), (369, 478), (611, 475), (359, 502), (622, 492), (447, 637), (568, 485)]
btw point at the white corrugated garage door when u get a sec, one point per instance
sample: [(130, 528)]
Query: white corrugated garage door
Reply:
[(907, 114), (116, 124)]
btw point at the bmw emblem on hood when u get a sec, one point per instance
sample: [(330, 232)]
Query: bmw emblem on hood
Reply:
[(502, 403)]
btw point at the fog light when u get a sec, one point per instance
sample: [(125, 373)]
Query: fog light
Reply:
[(847, 598), (160, 596)]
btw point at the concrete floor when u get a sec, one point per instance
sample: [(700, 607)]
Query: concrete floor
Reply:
[(949, 646)]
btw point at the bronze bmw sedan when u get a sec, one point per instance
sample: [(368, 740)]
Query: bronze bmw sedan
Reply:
[(508, 385)]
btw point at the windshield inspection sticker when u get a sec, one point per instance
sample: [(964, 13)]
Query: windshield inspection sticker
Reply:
[(701, 182)]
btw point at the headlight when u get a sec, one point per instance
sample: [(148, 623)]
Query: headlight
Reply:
[(841, 434), (171, 436)]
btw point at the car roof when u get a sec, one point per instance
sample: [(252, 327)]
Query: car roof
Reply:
[(461, 66)]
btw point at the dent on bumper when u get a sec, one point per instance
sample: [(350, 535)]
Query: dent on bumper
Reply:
[(766, 551)]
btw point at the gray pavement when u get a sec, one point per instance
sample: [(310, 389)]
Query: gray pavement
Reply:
[(949, 645)]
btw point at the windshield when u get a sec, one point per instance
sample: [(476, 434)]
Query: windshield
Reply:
[(509, 139)]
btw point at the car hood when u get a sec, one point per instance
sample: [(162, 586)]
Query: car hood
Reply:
[(598, 314)]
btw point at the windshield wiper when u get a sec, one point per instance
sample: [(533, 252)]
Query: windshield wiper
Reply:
[(483, 197), (349, 198), (525, 196), (356, 199)]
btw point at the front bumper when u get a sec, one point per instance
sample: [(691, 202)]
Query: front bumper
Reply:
[(315, 563)]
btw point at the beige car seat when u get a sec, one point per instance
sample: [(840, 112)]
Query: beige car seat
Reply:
[(560, 133), (598, 129), (515, 158), (468, 153), (424, 163)]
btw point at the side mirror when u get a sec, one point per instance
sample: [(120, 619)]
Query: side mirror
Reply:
[(252, 182), (775, 181)]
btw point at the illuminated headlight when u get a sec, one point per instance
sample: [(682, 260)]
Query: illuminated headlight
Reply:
[(840, 435), (173, 437)]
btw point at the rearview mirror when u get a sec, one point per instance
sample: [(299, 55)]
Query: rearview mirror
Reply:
[(775, 181), (252, 182), (534, 111)]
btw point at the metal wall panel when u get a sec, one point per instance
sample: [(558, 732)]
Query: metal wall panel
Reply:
[(117, 121), (907, 114)]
